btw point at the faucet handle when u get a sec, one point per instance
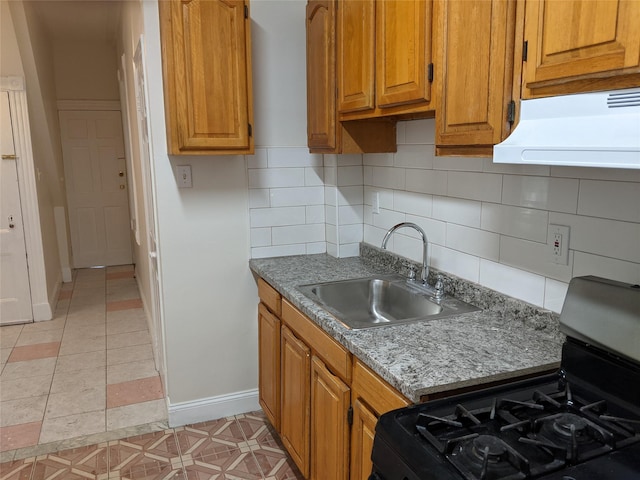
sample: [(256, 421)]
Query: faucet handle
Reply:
[(413, 270), (439, 286)]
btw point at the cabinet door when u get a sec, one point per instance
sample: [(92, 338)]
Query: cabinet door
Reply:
[(207, 70), (403, 52), (330, 398), (356, 55), (321, 74), (269, 363), (295, 398), (577, 39), (475, 72), (362, 433)]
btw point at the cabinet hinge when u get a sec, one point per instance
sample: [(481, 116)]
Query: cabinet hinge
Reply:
[(250, 129), (350, 415), (246, 11), (511, 112), (525, 49), (430, 73)]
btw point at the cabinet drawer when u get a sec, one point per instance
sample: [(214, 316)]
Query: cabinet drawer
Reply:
[(336, 357), (270, 297), (380, 396)]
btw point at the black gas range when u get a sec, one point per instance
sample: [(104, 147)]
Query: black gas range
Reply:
[(580, 423)]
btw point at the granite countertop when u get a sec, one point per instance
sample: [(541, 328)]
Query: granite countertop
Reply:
[(508, 338)]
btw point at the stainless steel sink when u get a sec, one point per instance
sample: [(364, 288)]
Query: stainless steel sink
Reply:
[(381, 300)]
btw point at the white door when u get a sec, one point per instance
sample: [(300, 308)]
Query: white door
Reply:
[(149, 201), (95, 174), (15, 294)]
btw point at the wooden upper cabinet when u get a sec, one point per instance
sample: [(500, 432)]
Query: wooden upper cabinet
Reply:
[(580, 45), (474, 75), (206, 51), (325, 133), (384, 58), (356, 55), (321, 75), (403, 52)]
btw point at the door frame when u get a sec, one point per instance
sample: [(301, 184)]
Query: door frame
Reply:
[(41, 307)]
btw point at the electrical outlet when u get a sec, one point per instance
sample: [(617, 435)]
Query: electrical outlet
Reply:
[(558, 244), (183, 175)]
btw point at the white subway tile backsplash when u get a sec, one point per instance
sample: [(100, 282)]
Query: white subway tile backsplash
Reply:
[(554, 294), (289, 197), (613, 174), (331, 195), (515, 221), (470, 164), (388, 177), (349, 159), (419, 131), (367, 174), (460, 264), (533, 257), (400, 132), (278, 251), (490, 167), (331, 234), (385, 196), (473, 241), (331, 214), (512, 281), (457, 210), (297, 234), (276, 177), (332, 249), (387, 219), (544, 193), (349, 214), (435, 230), (330, 175), (378, 159), (413, 203), (414, 156), (314, 176), (260, 237), (620, 270), (316, 247), (486, 187), (373, 235), (609, 238), (293, 157), (349, 250), (350, 175), (271, 217), (350, 233), (427, 181), (351, 195), (258, 159), (315, 214), (612, 200), (259, 198), (330, 160)]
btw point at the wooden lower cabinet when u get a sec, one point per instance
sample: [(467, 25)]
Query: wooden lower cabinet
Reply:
[(362, 433), (269, 359), (330, 401), (295, 386)]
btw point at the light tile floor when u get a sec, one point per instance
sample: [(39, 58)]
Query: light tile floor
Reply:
[(80, 399), (85, 374)]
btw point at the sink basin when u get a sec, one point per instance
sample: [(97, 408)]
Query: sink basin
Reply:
[(380, 300)]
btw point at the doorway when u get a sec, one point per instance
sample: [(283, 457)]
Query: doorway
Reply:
[(95, 175)]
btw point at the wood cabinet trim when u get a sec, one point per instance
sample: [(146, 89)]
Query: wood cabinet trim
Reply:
[(270, 297), (336, 357), (377, 393), (269, 327)]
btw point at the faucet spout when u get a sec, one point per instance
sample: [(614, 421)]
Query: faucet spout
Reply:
[(425, 246)]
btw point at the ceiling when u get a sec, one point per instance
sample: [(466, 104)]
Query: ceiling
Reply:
[(88, 20)]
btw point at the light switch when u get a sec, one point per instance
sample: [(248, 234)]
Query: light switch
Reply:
[(183, 174)]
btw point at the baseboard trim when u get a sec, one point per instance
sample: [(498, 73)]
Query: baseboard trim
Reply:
[(212, 408), (42, 311)]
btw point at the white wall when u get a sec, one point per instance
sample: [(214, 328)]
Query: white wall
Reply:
[(210, 299), (36, 57)]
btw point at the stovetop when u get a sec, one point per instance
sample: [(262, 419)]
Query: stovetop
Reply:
[(528, 430)]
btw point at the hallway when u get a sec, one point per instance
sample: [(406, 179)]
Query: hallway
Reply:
[(88, 374)]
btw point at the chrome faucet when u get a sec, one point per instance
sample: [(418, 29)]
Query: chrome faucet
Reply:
[(425, 246)]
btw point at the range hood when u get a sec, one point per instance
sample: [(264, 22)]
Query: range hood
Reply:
[(599, 129)]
